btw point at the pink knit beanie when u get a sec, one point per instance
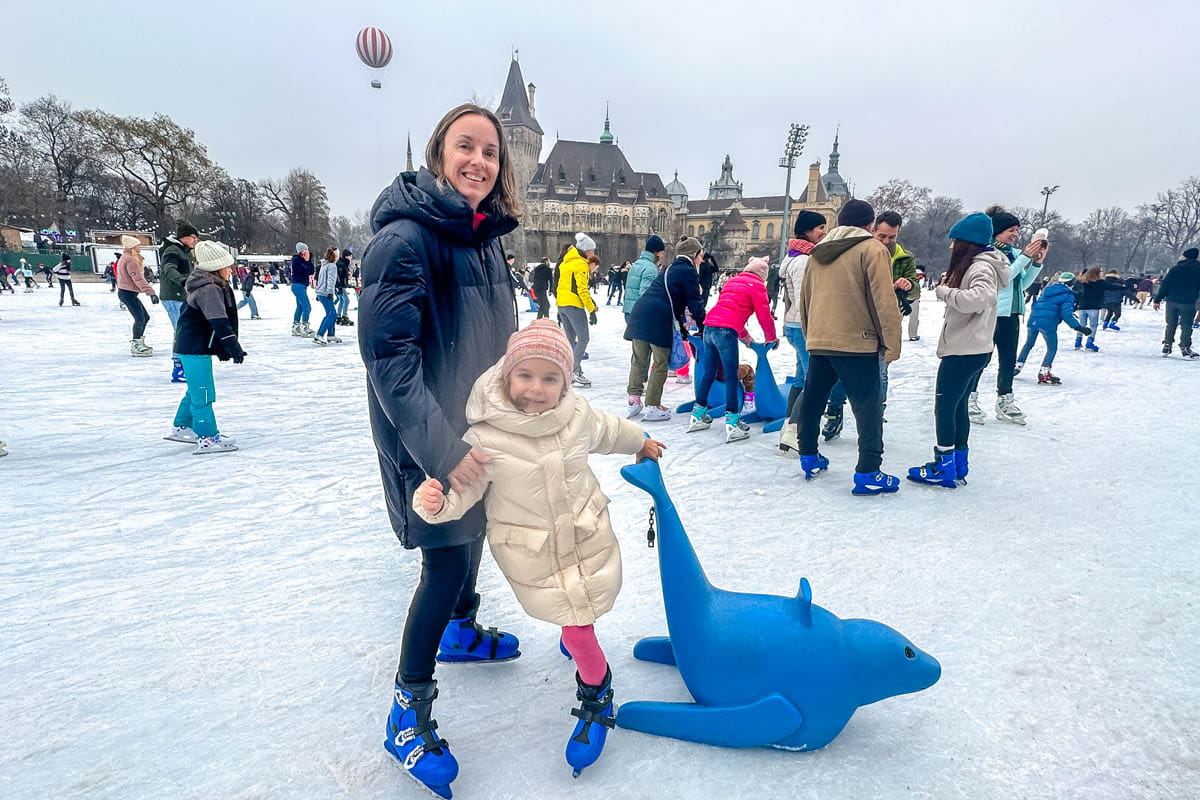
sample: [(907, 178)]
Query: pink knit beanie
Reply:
[(541, 339), (758, 266)]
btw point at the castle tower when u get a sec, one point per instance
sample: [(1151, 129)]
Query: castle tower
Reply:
[(835, 184), (726, 188), (523, 137)]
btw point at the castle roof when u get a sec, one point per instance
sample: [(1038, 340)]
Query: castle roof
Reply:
[(772, 204), (595, 171), (734, 223), (514, 104)]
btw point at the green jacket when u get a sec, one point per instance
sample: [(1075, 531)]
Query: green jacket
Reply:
[(905, 266), (174, 265)]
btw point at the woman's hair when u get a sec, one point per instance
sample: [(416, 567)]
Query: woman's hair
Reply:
[(1092, 274), (331, 254), (503, 198), (962, 253), (568, 247)]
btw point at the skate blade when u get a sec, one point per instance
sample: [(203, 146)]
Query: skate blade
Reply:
[(450, 658)]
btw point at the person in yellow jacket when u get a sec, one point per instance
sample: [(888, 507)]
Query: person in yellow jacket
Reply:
[(576, 308), (547, 519)]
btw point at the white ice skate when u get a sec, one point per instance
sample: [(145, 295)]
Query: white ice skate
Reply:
[(635, 406), (1007, 411), (789, 440), (139, 349), (297, 330), (580, 379), (974, 411), (214, 444), (735, 429), (321, 340), (657, 414), (181, 434)]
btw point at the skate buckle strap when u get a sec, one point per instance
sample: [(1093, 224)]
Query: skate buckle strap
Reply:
[(492, 634), (593, 711)]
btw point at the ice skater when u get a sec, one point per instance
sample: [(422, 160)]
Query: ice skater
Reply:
[(302, 272), (208, 326), (326, 295), (65, 285), (548, 524), (131, 281), (1180, 288), (1056, 304)]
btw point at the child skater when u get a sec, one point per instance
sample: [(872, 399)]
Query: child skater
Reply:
[(547, 520)]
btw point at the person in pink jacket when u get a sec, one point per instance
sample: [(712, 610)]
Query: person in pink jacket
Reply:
[(131, 281), (743, 295)]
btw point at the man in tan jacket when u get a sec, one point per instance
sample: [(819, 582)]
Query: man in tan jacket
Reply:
[(851, 322)]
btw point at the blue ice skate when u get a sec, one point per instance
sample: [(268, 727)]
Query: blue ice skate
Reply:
[(177, 375), (412, 738), (813, 465), (875, 483), (595, 715), (465, 640), (961, 465), (942, 471)]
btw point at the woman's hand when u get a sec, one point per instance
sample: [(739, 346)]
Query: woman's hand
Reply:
[(651, 449), (469, 470), (1036, 250), (431, 496)]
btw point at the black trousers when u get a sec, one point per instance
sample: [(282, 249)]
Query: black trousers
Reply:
[(446, 592), (134, 306), (1112, 312), (543, 304), (955, 376), (859, 374), (1006, 336), (65, 285)]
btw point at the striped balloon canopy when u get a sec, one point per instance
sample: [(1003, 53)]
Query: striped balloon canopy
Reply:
[(374, 47)]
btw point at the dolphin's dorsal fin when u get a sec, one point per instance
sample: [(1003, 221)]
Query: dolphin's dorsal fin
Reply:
[(804, 598)]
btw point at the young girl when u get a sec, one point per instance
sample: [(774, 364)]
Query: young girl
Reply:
[(547, 520), (724, 326), (1057, 303), (1089, 299)]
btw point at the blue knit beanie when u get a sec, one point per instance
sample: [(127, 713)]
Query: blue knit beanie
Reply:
[(975, 228)]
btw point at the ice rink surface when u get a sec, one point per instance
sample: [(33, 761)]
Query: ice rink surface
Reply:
[(227, 626)]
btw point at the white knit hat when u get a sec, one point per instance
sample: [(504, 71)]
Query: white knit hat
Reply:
[(211, 256), (583, 242), (128, 241)]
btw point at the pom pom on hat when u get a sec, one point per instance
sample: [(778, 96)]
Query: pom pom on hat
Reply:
[(1002, 220), (758, 266), (583, 242), (540, 339), (975, 228), (688, 246), (211, 257)]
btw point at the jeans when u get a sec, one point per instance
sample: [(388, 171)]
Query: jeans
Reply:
[(248, 297), (1091, 318), (720, 344), (173, 309), (135, 308), (575, 325), (64, 285), (1179, 315), (446, 591), (795, 337), (639, 366), (837, 397), (343, 303), (955, 376), (196, 408), (303, 307), (1049, 333), (327, 324), (860, 374)]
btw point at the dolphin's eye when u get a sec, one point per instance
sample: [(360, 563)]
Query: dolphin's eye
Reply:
[(908, 653)]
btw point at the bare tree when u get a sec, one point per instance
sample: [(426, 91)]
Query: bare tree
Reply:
[(302, 202), (1177, 221), (353, 231), (901, 196), (59, 138), (926, 234)]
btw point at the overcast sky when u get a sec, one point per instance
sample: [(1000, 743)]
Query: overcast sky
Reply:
[(988, 102)]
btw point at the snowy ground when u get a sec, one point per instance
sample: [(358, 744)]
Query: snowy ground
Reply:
[(228, 626)]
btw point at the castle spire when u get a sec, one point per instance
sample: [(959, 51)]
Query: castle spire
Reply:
[(834, 157), (606, 137), (408, 167)]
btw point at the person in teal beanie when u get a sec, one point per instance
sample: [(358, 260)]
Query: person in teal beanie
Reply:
[(1056, 304)]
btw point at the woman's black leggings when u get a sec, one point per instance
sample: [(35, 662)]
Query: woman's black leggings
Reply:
[(955, 376), (446, 592), (140, 315), (64, 286)]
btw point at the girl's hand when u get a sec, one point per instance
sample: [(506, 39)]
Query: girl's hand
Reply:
[(432, 499), (651, 449), (469, 470)]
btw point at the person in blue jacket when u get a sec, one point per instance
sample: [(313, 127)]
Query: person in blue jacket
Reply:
[(1056, 304), (302, 273), (436, 312), (642, 273)]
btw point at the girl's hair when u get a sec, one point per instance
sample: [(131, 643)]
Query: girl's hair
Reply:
[(331, 254), (594, 259), (566, 249), (503, 199), (1092, 274), (962, 253)]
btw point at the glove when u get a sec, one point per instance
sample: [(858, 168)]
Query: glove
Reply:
[(592, 318), (1084, 329), (240, 359), (154, 299), (905, 304)]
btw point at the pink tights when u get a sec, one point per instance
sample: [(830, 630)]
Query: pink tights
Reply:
[(580, 641)]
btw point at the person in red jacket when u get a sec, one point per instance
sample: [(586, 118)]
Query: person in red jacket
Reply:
[(744, 295)]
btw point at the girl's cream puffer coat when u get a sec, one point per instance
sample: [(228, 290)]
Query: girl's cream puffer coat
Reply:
[(547, 520)]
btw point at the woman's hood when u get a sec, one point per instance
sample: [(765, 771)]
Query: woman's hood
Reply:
[(420, 197), (488, 403), (998, 263)]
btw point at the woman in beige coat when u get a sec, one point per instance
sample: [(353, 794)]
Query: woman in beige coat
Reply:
[(547, 520)]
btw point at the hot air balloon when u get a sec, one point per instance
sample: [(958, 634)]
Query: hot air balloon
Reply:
[(375, 49)]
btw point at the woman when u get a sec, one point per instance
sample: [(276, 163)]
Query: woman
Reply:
[(1089, 299), (1115, 292), (435, 313), (656, 315), (326, 293), (131, 281), (976, 274), (207, 327), (809, 230), (302, 272), (343, 287), (247, 292), (576, 308), (63, 270)]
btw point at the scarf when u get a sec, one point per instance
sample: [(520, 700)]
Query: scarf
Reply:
[(798, 247), (1009, 251)]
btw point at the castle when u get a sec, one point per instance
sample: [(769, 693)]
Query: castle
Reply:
[(591, 187)]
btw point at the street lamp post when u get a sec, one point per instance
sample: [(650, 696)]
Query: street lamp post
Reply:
[(1047, 191), (792, 148)]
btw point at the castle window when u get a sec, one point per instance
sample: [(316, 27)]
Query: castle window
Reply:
[(562, 173), (770, 230), (700, 231), (625, 223), (691, 230), (754, 230), (566, 221)]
